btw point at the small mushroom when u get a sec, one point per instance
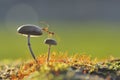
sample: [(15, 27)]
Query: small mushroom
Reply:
[(50, 42), (29, 30)]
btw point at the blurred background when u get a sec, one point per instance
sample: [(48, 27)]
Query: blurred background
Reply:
[(89, 27)]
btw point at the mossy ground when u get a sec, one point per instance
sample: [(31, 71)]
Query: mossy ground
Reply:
[(63, 67)]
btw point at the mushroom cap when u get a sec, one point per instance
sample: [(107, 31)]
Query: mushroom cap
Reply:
[(29, 29), (50, 41)]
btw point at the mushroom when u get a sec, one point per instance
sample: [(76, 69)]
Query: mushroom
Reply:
[(50, 42), (29, 30)]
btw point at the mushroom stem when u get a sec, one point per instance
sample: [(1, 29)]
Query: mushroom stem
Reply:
[(49, 47), (29, 45)]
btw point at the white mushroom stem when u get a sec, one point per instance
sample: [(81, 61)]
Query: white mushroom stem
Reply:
[(49, 47), (29, 45)]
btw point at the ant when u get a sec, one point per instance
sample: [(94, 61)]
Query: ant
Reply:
[(49, 32), (46, 29)]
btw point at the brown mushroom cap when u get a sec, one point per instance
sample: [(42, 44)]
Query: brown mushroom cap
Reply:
[(50, 41), (29, 29)]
